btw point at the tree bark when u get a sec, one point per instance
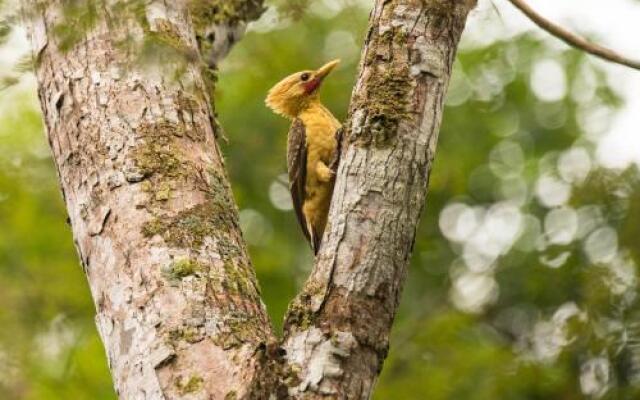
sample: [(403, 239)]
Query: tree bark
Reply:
[(153, 218), (337, 330), (156, 227)]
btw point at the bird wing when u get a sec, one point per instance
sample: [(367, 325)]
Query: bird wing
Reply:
[(297, 168), (336, 157)]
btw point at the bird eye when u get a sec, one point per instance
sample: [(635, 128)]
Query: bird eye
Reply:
[(304, 77)]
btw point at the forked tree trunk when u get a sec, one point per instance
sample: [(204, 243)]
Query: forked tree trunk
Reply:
[(156, 227)]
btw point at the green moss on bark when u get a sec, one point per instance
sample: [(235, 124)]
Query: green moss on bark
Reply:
[(191, 385), (386, 105), (239, 329), (207, 12), (163, 192), (158, 154), (388, 90), (217, 217), (300, 314), (179, 269), (190, 227), (166, 35), (188, 334), (237, 281)]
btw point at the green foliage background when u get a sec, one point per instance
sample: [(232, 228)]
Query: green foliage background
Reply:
[(538, 318)]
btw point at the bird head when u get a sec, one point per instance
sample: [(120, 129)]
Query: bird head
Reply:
[(295, 92)]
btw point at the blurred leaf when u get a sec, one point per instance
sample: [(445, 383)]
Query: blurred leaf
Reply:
[(8, 81)]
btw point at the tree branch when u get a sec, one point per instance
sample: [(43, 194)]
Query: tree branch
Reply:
[(574, 40), (219, 24), (337, 329)]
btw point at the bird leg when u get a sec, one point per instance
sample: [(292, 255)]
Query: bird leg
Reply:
[(324, 173)]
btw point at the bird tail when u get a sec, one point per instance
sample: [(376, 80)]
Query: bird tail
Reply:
[(315, 237)]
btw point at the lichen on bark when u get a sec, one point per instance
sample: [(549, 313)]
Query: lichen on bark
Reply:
[(206, 12), (387, 86), (157, 154), (191, 385), (165, 38), (189, 228), (220, 23), (178, 269), (215, 217), (383, 106)]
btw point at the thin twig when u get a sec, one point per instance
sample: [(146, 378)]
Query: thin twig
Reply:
[(572, 39)]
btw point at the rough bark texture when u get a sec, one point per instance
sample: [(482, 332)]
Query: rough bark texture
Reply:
[(337, 331), (154, 221), (156, 227)]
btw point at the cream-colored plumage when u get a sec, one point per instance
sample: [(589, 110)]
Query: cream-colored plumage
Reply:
[(320, 127), (312, 147)]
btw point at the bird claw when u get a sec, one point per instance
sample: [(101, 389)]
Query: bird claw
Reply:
[(325, 173)]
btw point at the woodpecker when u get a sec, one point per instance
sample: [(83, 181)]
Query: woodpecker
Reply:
[(312, 147)]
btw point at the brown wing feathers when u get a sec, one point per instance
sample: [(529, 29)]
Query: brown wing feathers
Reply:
[(297, 168)]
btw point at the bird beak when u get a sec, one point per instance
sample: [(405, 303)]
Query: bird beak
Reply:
[(325, 69)]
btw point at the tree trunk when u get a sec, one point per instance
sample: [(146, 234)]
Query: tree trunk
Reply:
[(337, 330), (155, 224), (154, 221)]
